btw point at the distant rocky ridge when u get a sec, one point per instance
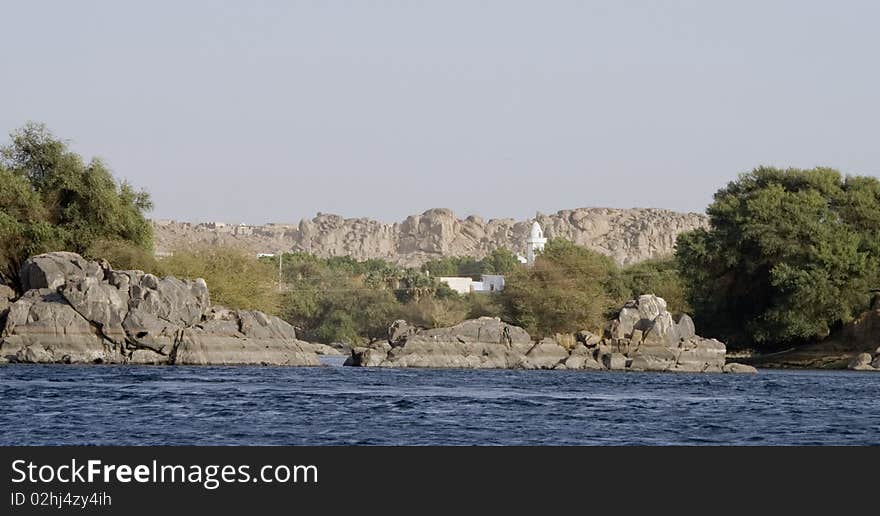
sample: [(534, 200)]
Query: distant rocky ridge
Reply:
[(644, 337), (78, 311), (626, 235)]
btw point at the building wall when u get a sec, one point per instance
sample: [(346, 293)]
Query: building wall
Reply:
[(492, 282), (458, 284)]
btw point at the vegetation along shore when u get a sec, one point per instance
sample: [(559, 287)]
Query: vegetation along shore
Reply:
[(783, 271)]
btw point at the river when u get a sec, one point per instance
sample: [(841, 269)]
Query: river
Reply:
[(143, 405)]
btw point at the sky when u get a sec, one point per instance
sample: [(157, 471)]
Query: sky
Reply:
[(259, 111)]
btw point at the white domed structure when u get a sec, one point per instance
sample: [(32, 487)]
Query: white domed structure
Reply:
[(535, 242)]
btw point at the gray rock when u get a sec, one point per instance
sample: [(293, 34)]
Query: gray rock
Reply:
[(614, 361), (7, 295), (52, 270), (200, 347), (685, 326), (84, 312), (650, 306), (627, 236), (651, 362), (628, 319), (702, 355), (735, 368), (148, 357), (486, 342), (663, 331), (588, 338), (99, 302), (484, 329), (257, 325), (41, 327), (861, 362), (876, 363), (367, 357), (399, 331), (183, 303), (546, 354), (145, 330)]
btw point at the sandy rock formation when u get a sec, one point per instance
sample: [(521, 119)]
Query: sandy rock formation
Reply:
[(644, 337), (77, 311), (628, 236)]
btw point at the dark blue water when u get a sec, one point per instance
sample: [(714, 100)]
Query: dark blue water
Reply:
[(131, 405)]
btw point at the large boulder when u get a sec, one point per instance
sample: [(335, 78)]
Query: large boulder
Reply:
[(399, 331), (52, 270), (484, 329), (79, 311), (99, 302), (546, 354), (176, 301), (42, 327), (486, 342), (651, 339), (206, 346), (582, 357), (861, 362), (7, 295), (735, 368)]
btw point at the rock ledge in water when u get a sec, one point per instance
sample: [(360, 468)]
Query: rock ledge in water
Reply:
[(78, 311)]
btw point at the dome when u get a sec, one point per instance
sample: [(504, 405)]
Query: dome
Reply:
[(536, 230)]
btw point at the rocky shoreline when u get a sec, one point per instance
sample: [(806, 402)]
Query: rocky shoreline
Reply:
[(82, 312), (76, 311), (644, 337)]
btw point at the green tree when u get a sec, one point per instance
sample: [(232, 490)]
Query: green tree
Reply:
[(235, 278), (789, 254), (565, 290), (658, 276), (51, 199)]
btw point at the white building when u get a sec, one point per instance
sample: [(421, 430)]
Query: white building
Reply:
[(488, 283), (458, 284), (492, 282), (495, 282), (535, 243)]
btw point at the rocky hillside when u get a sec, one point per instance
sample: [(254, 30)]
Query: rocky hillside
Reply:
[(628, 236)]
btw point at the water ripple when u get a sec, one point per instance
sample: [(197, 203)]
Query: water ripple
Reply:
[(130, 405)]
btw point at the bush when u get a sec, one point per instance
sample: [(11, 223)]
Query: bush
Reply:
[(51, 199), (659, 277), (235, 278), (565, 291)]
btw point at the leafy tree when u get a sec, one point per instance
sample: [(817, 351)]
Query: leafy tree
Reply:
[(51, 199), (235, 278), (659, 277), (789, 254), (499, 261), (565, 290)]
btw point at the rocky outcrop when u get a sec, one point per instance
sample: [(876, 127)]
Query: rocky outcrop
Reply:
[(628, 236), (7, 296), (77, 311), (865, 362), (644, 337), (650, 339)]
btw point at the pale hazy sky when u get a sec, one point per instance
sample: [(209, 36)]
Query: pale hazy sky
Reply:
[(256, 111)]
